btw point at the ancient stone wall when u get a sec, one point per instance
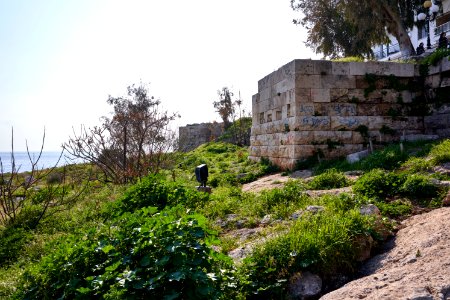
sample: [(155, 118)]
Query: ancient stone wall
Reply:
[(332, 109), (193, 135)]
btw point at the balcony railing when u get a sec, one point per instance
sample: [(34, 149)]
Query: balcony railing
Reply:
[(442, 28), (387, 50)]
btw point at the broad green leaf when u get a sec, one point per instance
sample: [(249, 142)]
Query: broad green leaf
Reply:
[(145, 261)]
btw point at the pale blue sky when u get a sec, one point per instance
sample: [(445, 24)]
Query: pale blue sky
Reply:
[(59, 60)]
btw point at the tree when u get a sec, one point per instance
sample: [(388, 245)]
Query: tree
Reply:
[(237, 127), (132, 143), (350, 27), (27, 198), (224, 106)]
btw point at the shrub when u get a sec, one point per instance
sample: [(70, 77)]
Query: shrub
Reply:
[(154, 191), (12, 242), (378, 184), (396, 208), (322, 242), (267, 167), (441, 152), (419, 186), (145, 255), (417, 165), (388, 158), (330, 179)]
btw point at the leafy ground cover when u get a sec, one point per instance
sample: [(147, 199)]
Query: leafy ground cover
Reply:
[(161, 238)]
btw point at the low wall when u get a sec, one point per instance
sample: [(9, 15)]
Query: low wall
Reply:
[(332, 109), (193, 135)]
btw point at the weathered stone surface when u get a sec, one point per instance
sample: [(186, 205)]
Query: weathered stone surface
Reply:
[(193, 135), (415, 268), (348, 123), (355, 157), (306, 107), (304, 285), (320, 95)]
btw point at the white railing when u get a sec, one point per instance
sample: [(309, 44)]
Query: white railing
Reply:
[(442, 28)]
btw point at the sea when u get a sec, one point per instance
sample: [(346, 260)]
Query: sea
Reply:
[(23, 163)]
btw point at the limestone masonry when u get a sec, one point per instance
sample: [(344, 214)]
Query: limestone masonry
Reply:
[(193, 135), (332, 109)]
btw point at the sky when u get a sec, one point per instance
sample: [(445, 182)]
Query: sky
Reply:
[(60, 60)]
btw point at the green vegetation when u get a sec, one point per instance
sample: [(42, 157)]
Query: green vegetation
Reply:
[(161, 238), (330, 179)]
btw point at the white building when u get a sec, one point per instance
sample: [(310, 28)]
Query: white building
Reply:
[(439, 24)]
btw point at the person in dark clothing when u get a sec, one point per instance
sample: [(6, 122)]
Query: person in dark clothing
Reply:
[(443, 42), (420, 49)]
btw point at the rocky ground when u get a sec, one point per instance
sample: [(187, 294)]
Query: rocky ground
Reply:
[(415, 266)]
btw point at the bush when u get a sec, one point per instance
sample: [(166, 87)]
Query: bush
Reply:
[(12, 242), (395, 209), (154, 191), (441, 152), (321, 242), (330, 179), (144, 255), (417, 165), (378, 184), (419, 186), (388, 158)]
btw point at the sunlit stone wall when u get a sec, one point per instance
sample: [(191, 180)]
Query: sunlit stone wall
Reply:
[(332, 109)]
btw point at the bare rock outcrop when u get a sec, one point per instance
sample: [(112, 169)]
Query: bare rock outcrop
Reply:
[(417, 267)]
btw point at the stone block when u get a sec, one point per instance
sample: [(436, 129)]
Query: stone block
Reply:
[(334, 136), (255, 98), (302, 95), (357, 138), (290, 96), (264, 151), (306, 109), (320, 95), (312, 123), (308, 81), (341, 109), (255, 151), (304, 66), (443, 132), (265, 93), (323, 67), (436, 122), (299, 137), (264, 83), (361, 82), (283, 86), (348, 123), (339, 95), (369, 109), (338, 81), (406, 96), (356, 96), (389, 96), (340, 68), (375, 122), (355, 157)]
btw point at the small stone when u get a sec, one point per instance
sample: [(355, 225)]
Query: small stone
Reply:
[(315, 208), (266, 220), (369, 210), (304, 285), (301, 174), (296, 215)]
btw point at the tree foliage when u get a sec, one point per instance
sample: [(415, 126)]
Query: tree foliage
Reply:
[(235, 120), (351, 28), (130, 144), (224, 106)]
